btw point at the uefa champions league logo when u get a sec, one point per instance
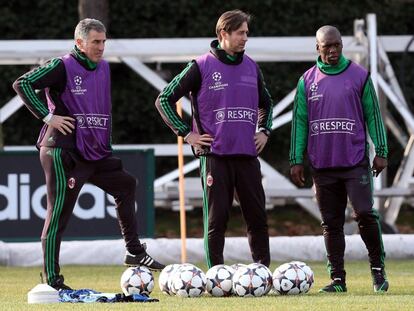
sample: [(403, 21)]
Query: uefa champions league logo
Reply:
[(77, 80), (216, 76), (314, 87), (78, 90), (218, 84)]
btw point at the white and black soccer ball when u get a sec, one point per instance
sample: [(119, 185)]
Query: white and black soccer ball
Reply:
[(137, 280), (264, 271), (188, 281), (219, 281), (165, 277), (249, 282), (289, 279), (308, 271), (171, 278)]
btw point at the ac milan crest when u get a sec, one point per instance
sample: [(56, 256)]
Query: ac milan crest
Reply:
[(71, 183), (209, 180)]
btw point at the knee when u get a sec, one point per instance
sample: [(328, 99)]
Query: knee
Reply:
[(366, 217), (130, 184), (333, 224)]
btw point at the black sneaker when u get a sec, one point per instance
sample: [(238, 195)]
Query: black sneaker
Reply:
[(143, 259), (337, 286), (58, 283), (379, 279)]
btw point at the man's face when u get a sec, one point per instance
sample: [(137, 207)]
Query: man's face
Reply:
[(329, 47), (94, 46), (235, 41)]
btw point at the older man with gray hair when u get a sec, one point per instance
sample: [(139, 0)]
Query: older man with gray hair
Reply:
[(75, 150)]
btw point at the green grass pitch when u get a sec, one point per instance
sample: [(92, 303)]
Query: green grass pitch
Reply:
[(16, 282)]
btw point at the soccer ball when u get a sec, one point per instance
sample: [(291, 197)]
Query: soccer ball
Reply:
[(219, 281), (165, 276), (188, 281), (249, 281), (137, 280), (171, 277), (308, 271), (289, 279), (266, 273)]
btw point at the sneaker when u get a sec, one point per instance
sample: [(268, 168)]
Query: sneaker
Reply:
[(337, 286), (142, 259), (58, 283), (379, 280)]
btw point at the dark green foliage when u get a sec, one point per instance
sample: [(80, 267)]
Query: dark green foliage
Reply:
[(135, 118)]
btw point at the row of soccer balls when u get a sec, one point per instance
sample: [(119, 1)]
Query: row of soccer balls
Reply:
[(253, 280)]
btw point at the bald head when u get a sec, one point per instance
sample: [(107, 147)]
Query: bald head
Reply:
[(329, 44)]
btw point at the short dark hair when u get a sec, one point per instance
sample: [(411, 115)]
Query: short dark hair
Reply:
[(231, 20)]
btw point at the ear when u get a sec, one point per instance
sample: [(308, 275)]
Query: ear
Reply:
[(224, 34), (317, 47), (79, 42)]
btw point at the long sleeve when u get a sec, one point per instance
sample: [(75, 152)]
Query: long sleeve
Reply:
[(373, 119), (50, 75), (299, 133), (265, 115), (189, 80)]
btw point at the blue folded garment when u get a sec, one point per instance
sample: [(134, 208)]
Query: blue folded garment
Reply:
[(90, 295)]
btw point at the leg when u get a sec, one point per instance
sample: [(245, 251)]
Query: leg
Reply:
[(110, 176), (58, 166), (113, 179), (332, 200), (218, 193), (359, 188), (252, 202)]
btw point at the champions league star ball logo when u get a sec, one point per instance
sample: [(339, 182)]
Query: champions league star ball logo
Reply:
[(314, 87), (77, 80), (216, 76)]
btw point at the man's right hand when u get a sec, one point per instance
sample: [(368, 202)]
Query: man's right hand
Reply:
[(63, 124), (198, 141), (297, 175)]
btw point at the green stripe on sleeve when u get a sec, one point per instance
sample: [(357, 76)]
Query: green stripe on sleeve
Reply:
[(373, 119), (169, 112), (299, 131)]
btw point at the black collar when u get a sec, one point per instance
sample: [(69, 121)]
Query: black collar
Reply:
[(222, 56)]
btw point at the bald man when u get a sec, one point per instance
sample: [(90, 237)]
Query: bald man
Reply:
[(334, 104)]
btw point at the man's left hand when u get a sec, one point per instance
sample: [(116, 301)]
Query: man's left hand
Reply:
[(260, 139), (378, 165)]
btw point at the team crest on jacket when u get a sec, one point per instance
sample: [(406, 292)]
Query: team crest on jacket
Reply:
[(209, 180), (71, 183)]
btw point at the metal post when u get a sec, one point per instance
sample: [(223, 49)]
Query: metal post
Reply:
[(373, 67)]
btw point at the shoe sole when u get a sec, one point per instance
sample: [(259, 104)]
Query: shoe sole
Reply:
[(138, 265)]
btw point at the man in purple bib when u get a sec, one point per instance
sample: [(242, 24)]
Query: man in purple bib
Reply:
[(75, 143), (229, 101), (334, 103)]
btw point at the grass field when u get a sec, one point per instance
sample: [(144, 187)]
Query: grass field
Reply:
[(16, 282)]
